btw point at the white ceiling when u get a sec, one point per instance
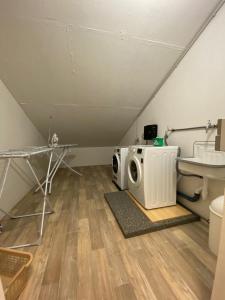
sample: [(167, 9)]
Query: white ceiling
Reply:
[(91, 64)]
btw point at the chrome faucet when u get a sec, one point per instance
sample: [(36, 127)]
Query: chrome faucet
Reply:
[(210, 126)]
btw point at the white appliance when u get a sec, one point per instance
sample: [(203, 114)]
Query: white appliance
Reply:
[(152, 175), (119, 167)]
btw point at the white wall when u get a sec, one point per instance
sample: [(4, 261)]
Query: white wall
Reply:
[(91, 60), (193, 94), (16, 131), (90, 156)]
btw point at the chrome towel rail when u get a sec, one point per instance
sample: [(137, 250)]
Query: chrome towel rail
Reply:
[(207, 127)]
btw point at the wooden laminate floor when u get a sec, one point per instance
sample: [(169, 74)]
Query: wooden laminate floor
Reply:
[(85, 256)]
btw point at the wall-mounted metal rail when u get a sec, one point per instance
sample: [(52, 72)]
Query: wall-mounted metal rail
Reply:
[(207, 127), (187, 128)]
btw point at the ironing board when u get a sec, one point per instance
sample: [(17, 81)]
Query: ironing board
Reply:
[(59, 160)]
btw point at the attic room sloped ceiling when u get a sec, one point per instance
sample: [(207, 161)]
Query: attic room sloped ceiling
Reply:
[(86, 68)]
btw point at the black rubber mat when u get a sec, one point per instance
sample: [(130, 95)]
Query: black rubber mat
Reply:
[(133, 221)]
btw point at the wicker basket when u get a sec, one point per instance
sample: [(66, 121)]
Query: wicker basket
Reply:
[(14, 271)]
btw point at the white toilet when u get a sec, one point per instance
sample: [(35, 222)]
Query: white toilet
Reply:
[(216, 214)]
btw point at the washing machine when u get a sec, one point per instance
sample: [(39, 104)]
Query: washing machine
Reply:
[(152, 175), (119, 167)]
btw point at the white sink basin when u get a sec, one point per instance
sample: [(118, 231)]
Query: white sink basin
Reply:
[(214, 168)]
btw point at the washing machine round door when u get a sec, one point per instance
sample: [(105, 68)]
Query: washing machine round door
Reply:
[(115, 163), (134, 170)]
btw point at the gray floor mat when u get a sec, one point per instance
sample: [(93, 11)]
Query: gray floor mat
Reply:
[(133, 221)]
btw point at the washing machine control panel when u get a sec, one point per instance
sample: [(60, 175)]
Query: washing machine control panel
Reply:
[(140, 152)]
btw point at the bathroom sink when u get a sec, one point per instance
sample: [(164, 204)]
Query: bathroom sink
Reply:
[(209, 168), (205, 161)]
